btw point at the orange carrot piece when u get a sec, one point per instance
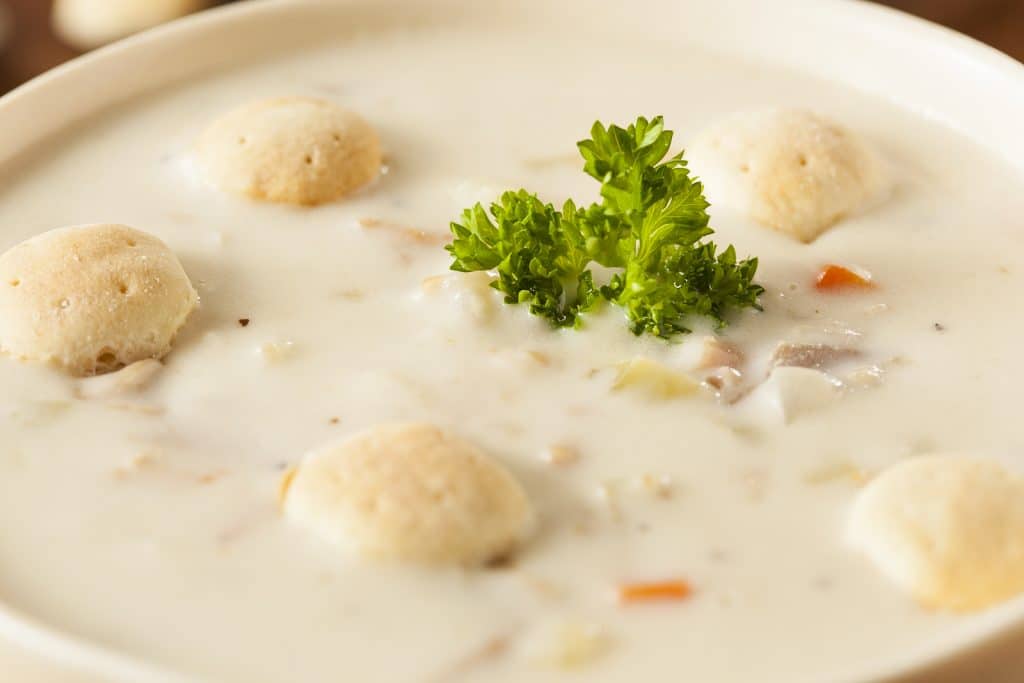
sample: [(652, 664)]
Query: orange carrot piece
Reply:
[(673, 590), (834, 278)]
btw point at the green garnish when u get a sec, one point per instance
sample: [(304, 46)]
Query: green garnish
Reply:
[(649, 228)]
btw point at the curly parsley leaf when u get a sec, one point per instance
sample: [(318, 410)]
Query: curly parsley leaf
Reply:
[(648, 227), (541, 255)]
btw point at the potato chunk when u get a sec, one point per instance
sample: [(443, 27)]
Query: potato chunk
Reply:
[(793, 392), (654, 380)]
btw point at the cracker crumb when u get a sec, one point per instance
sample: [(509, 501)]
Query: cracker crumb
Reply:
[(433, 284), (542, 587), (539, 357), (406, 233), (349, 294), (660, 486), (837, 470), (37, 413), (560, 455), (568, 644), (608, 494), (754, 483), (278, 351), (486, 652), (138, 462), (135, 407), (864, 378), (284, 484), (876, 309), (210, 477)]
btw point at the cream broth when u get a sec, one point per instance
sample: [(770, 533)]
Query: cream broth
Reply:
[(151, 525)]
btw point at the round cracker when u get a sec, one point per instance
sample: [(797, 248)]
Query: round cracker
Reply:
[(92, 299), (90, 23), (410, 493), (792, 170), (948, 529), (290, 150)]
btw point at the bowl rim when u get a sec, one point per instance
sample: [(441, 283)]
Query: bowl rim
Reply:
[(53, 86), (956, 48)]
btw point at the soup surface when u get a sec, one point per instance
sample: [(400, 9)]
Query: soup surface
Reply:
[(151, 525)]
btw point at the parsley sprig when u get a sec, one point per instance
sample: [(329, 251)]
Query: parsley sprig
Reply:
[(649, 229)]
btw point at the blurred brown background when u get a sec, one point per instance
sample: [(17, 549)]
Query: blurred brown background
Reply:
[(33, 49)]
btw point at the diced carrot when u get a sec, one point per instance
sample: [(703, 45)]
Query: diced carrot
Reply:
[(673, 590), (834, 278)]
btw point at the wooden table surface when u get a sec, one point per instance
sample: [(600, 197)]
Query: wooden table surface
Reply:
[(34, 49)]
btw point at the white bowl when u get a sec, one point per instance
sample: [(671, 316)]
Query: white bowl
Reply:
[(918, 66)]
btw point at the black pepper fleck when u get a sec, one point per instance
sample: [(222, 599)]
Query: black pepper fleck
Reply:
[(244, 322), (939, 327)]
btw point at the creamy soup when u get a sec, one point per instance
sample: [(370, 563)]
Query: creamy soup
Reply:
[(150, 524)]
